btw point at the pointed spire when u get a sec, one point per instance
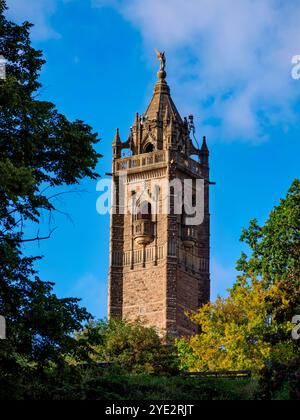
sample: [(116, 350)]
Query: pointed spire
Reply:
[(117, 140), (204, 148), (117, 145), (161, 104), (204, 153)]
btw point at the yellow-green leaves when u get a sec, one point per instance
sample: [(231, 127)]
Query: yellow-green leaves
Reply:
[(235, 330)]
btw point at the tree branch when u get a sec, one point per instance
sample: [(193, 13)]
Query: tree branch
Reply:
[(38, 238), (65, 192)]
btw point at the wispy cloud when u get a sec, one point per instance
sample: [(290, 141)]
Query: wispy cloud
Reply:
[(38, 12), (229, 61), (232, 59)]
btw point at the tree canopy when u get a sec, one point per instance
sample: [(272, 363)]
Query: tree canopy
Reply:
[(40, 149), (253, 326)]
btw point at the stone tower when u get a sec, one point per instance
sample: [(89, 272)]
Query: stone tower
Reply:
[(159, 264)]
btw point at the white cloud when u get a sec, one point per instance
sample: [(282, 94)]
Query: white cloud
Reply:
[(232, 58), (37, 12)]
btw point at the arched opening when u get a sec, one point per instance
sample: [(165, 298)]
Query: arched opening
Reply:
[(144, 211), (126, 153), (196, 158), (149, 148)]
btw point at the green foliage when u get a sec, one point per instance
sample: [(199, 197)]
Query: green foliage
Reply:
[(41, 359), (252, 326), (97, 383), (275, 258), (161, 388), (39, 150), (281, 381), (39, 147), (234, 330), (131, 346), (275, 249)]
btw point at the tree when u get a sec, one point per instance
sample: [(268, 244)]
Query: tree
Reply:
[(39, 148), (130, 346), (275, 252), (233, 331), (39, 151), (252, 327), (281, 381)]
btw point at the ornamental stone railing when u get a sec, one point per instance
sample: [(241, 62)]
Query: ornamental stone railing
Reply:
[(140, 161)]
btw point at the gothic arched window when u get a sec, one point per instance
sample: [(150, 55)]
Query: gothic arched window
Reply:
[(144, 211)]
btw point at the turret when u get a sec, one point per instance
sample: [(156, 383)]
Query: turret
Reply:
[(117, 145), (204, 153)]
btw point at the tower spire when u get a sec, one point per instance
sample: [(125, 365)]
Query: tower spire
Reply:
[(161, 104), (117, 145), (117, 139), (204, 153), (204, 148)]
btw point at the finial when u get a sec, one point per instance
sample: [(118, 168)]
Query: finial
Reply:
[(204, 148), (162, 70), (117, 139)]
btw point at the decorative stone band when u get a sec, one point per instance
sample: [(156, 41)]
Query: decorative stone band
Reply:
[(190, 165), (140, 161), (154, 160), (187, 260), (190, 262), (124, 259)]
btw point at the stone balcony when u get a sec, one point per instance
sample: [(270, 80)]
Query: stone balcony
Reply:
[(138, 162), (143, 232), (189, 236), (189, 165), (157, 159)]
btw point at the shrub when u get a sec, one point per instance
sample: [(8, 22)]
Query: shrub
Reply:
[(130, 346)]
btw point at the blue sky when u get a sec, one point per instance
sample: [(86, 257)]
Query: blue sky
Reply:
[(229, 63)]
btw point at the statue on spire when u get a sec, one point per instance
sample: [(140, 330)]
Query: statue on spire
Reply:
[(162, 58)]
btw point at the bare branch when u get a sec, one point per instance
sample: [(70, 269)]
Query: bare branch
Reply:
[(67, 215), (65, 192), (38, 238)]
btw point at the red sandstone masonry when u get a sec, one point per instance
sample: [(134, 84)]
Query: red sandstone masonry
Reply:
[(170, 279)]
